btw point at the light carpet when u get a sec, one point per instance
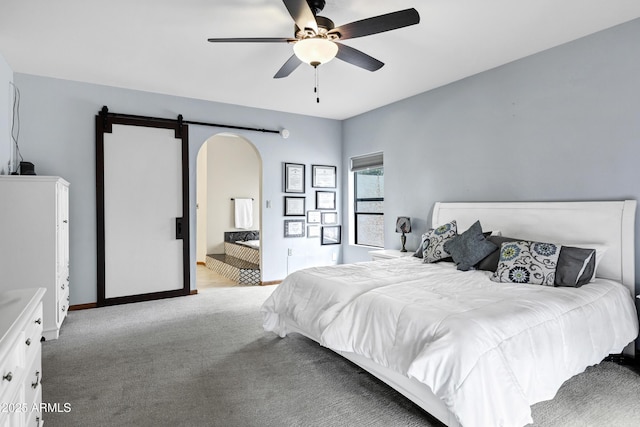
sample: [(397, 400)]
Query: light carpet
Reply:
[(204, 360)]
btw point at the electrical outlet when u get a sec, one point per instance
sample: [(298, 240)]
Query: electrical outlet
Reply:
[(268, 204), (290, 252)]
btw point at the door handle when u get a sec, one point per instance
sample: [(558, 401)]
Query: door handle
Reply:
[(179, 231)]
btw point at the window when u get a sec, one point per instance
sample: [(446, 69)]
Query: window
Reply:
[(368, 182)]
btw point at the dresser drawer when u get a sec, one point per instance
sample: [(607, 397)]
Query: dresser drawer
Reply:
[(33, 381), (12, 368), (33, 333), (34, 418), (14, 414), (62, 306), (63, 284)]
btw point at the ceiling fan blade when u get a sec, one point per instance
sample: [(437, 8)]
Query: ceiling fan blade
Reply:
[(302, 14), (252, 40), (288, 67), (358, 58), (378, 24)]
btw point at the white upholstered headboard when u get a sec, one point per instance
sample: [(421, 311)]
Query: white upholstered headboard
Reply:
[(608, 223)]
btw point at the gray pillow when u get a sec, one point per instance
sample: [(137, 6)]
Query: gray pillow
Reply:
[(575, 266), (490, 262), (418, 253), (470, 247)]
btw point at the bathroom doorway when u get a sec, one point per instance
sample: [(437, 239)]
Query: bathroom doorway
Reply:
[(229, 172)]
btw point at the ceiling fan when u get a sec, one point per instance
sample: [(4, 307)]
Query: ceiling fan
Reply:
[(315, 40)]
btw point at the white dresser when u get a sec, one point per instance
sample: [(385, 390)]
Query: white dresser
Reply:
[(21, 357), (34, 243)]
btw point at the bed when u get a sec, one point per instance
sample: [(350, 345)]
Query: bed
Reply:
[(466, 348)]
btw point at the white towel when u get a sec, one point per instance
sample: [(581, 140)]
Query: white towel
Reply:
[(244, 213)]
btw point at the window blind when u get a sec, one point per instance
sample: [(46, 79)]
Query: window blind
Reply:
[(367, 161)]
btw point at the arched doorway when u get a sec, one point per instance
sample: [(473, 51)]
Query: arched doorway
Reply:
[(228, 167)]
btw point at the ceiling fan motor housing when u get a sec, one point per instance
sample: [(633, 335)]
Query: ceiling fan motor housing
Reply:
[(316, 5), (324, 26)]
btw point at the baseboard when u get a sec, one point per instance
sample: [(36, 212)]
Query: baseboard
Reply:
[(82, 306), (274, 282), (201, 263), (193, 292)]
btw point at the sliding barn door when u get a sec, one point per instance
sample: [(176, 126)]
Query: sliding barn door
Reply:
[(142, 209)]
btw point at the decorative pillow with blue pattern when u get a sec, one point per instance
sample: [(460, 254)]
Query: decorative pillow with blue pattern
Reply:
[(527, 262), (433, 242)]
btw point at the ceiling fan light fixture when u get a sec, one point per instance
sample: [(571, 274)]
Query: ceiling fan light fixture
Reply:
[(315, 50)]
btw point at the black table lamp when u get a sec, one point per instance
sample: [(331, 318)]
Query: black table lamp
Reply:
[(403, 225)]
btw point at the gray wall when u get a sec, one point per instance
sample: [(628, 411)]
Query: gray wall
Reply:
[(563, 124), (560, 125), (6, 114), (58, 136)]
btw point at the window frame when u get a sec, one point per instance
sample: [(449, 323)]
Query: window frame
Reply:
[(356, 213)]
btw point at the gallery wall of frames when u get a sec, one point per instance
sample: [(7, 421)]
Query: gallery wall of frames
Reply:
[(319, 221)]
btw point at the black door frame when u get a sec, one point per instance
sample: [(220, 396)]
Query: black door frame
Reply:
[(104, 124)]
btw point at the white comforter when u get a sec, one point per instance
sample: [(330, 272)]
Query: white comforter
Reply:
[(487, 350)]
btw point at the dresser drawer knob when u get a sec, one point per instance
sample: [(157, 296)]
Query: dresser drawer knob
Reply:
[(39, 321), (35, 384), (28, 341), (8, 377)]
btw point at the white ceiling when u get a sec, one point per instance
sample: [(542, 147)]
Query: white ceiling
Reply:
[(161, 46)]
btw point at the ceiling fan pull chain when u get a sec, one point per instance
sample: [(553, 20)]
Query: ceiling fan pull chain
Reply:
[(317, 89)]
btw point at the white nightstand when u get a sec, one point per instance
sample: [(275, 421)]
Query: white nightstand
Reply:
[(388, 254)]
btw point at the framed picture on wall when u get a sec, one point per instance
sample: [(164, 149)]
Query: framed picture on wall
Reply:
[(329, 217), (314, 217), (294, 206), (331, 235), (293, 178), (326, 200), (294, 228), (313, 231), (323, 176)]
